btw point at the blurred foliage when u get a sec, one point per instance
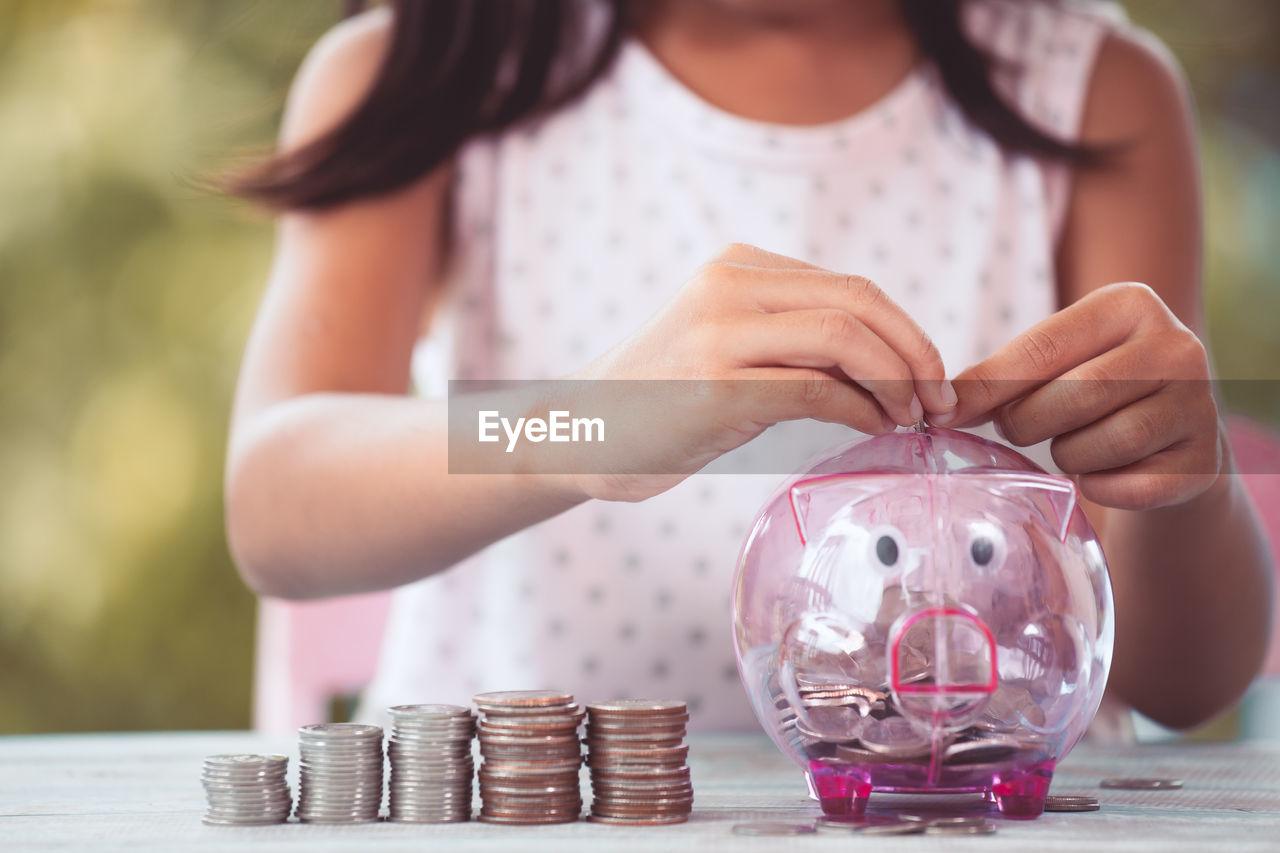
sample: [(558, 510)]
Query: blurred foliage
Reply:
[(126, 293), (125, 296)]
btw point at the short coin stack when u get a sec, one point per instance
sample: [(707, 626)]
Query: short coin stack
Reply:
[(532, 754), (246, 789), (637, 754), (341, 773), (431, 766)]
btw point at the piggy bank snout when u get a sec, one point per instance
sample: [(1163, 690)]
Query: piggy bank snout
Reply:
[(942, 660)]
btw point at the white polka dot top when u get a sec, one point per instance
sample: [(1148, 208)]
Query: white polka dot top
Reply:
[(572, 231)]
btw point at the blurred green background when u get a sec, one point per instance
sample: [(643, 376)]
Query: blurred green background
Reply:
[(126, 292)]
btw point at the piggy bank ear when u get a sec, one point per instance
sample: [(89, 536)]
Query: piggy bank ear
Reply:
[(1053, 498), (815, 501)]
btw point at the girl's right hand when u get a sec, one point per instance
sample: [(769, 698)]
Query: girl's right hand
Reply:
[(756, 339)]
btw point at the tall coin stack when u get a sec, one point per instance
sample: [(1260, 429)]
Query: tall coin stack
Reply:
[(431, 766), (341, 773), (636, 752), (532, 754), (246, 789)]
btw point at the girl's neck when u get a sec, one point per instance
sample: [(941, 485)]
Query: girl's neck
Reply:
[(783, 61)]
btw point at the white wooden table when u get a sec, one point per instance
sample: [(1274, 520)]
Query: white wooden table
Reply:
[(142, 792)]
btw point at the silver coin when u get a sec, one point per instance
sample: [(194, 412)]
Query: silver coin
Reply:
[(330, 764), (216, 821), (769, 828), (634, 737), (241, 760), (1009, 706), (893, 736), (901, 827), (244, 789), (428, 739), (243, 781), (653, 820), (531, 820), (262, 783), (626, 786), (430, 756), (429, 711), (405, 776), (453, 816), (638, 707), (246, 794), (988, 750), (859, 823), (961, 826), (249, 809), (340, 730), (958, 821), (622, 721), (1071, 803), (450, 752), (1135, 783)]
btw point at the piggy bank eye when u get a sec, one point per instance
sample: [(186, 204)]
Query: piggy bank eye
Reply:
[(986, 545), (886, 548)]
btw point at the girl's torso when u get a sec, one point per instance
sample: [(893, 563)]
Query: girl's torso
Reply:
[(571, 231)]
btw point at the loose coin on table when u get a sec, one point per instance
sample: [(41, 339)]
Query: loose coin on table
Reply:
[(246, 790), (856, 824), (902, 827), (1134, 783), (1070, 803), (961, 826), (770, 828)]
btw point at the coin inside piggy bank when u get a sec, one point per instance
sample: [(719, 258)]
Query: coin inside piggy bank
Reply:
[(924, 611)]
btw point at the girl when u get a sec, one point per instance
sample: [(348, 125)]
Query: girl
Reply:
[(907, 188)]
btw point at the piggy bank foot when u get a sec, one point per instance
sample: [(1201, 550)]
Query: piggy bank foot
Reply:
[(1022, 796), (841, 795)]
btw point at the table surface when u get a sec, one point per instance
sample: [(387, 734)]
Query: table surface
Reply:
[(142, 792)]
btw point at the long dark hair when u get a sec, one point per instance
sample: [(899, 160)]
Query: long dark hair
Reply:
[(458, 68)]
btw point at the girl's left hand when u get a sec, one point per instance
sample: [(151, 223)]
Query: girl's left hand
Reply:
[(1121, 387)]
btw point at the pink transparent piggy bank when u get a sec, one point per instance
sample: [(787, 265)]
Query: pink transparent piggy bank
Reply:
[(924, 611)]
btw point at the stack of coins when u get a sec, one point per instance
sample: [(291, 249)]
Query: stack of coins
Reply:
[(246, 789), (532, 754), (637, 755), (341, 773), (431, 766)]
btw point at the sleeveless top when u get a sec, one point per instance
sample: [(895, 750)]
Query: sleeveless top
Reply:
[(573, 230)]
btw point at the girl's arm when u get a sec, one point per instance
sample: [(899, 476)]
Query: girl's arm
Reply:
[(337, 482), (1132, 414), (1192, 580), (333, 475)]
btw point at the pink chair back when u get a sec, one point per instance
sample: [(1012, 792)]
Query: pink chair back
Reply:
[(309, 652)]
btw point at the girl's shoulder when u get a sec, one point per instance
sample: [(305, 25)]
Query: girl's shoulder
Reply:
[(1052, 56), (336, 76), (1027, 27)]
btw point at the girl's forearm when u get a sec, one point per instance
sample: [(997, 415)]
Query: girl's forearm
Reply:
[(330, 494), (1193, 603)]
